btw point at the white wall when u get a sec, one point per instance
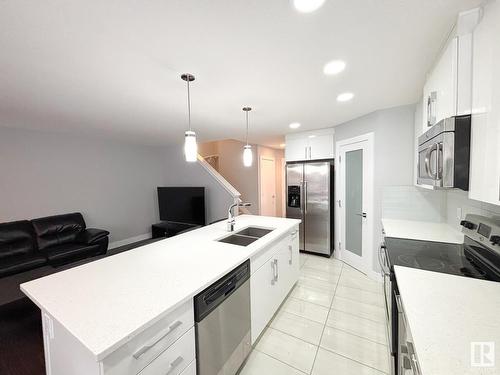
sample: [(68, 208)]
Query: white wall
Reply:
[(393, 149), (112, 183)]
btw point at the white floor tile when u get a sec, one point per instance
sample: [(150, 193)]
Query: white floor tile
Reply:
[(313, 295), (313, 273), (328, 363), (298, 327), (317, 284), (359, 326), (360, 282), (363, 310), (305, 309), (361, 350), (325, 265), (360, 295), (294, 352), (259, 363)]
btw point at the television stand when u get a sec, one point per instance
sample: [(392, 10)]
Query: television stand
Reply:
[(167, 229)]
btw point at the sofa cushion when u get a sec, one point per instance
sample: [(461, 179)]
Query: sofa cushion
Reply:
[(16, 239), (21, 263), (66, 253), (58, 230)]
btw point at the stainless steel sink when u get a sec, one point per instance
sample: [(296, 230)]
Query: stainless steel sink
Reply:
[(254, 232), (235, 239), (245, 236)]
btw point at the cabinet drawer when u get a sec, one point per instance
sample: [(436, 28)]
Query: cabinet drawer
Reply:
[(190, 370), (133, 356), (262, 257), (175, 359)]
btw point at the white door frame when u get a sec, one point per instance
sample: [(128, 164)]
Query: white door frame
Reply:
[(368, 206)]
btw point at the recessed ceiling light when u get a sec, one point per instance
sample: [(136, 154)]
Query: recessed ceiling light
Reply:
[(307, 6), (334, 67), (312, 136), (345, 97), (294, 125)]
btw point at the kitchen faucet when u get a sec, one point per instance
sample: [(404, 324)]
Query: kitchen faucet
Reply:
[(230, 216)]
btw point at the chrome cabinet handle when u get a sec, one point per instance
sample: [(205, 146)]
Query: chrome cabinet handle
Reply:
[(176, 362), (431, 100), (290, 261), (309, 152), (398, 303), (138, 354), (273, 268), (276, 269), (380, 259), (305, 152)]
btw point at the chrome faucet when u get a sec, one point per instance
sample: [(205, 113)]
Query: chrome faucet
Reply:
[(230, 216)]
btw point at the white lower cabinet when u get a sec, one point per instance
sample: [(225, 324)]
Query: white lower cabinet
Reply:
[(167, 346), (175, 359), (272, 280)]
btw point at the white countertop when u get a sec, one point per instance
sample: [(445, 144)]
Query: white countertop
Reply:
[(421, 230), (446, 313), (107, 302)]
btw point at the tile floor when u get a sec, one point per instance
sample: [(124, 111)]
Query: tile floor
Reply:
[(333, 322)]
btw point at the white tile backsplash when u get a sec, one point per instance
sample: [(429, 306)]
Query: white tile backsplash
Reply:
[(450, 206), (412, 203)]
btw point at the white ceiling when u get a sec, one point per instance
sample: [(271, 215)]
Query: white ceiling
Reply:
[(112, 67)]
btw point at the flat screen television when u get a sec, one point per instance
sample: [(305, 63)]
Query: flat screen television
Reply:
[(182, 204)]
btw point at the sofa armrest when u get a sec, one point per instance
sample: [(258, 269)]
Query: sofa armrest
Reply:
[(91, 235)]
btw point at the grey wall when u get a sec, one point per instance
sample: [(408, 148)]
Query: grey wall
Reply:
[(181, 173), (393, 149), (113, 184)]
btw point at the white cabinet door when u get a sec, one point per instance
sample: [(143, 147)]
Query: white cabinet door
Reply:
[(321, 147), (440, 90), (289, 264), (296, 149), (263, 296), (485, 150)]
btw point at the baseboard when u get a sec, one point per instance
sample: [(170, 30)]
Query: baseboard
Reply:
[(130, 240)]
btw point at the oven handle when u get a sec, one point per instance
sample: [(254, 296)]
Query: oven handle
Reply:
[(381, 255)]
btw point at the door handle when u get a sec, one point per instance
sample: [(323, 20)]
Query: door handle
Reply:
[(363, 214)]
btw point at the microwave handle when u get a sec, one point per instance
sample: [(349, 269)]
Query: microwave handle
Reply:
[(427, 161)]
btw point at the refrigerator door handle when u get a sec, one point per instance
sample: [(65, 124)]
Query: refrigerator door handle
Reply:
[(305, 197)]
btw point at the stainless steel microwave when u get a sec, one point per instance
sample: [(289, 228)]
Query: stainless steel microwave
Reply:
[(444, 154)]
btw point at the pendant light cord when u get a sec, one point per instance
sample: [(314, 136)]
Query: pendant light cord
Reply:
[(246, 112), (189, 105)]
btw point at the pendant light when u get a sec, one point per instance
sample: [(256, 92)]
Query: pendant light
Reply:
[(190, 145), (247, 150)]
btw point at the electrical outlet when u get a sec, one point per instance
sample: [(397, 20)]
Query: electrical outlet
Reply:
[(459, 213)]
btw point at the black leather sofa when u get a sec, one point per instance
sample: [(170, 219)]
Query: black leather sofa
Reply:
[(53, 241)]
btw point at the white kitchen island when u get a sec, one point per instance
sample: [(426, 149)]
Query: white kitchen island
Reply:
[(99, 318)]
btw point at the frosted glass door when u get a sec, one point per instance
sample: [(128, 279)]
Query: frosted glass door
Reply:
[(354, 202)]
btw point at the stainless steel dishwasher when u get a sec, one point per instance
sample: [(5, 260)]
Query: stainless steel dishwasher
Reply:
[(222, 315)]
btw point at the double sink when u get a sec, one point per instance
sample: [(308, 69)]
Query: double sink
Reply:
[(246, 236)]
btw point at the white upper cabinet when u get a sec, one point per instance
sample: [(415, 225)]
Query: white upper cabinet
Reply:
[(310, 145), (485, 139), (448, 88)]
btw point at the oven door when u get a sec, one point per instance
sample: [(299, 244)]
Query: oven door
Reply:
[(386, 275)]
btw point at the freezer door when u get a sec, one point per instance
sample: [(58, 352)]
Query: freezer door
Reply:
[(295, 196), (317, 207)]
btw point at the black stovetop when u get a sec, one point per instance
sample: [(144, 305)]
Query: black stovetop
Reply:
[(469, 259)]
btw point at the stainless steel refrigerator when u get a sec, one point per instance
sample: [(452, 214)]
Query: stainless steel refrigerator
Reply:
[(310, 198)]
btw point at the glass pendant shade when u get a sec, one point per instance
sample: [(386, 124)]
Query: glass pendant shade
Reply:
[(190, 146), (247, 156)]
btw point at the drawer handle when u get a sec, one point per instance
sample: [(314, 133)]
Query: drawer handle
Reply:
[(138, 354), (290, 261), (176, 362)]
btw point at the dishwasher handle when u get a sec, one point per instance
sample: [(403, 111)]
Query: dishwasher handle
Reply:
[(210, 298)]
